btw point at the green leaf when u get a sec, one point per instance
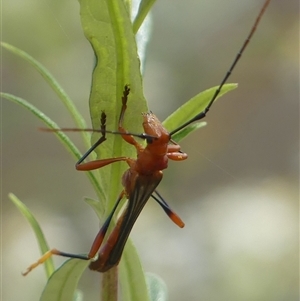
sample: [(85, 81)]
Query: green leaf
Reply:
[(133, 283), (194, 106), (108, 28), (157, 288), (99, 210), (142, 36), (62, 285), (49, 78), (188, 130), (144, 8), (49, 266), (60, 135)]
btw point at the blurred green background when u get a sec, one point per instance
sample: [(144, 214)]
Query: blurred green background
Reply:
[(238, 192)]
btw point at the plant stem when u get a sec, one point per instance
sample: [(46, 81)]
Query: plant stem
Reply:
[(110, 285)]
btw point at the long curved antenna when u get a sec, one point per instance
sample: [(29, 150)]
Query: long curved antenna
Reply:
[(238, 56)]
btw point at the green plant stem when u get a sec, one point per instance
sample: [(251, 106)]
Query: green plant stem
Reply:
[(110, 285)]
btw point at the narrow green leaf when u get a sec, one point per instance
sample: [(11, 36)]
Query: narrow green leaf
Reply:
[(144, 8), (60, 135), (49, 266), (62, 285), (194, 106), (133, 283), (78, 296), (188, 130), (142, 36), (49, 78), (157, 288), (99, 210)]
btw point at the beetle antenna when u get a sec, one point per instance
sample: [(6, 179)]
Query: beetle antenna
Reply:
[(238, 56)]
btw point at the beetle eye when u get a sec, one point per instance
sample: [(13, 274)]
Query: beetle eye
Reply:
[(149, 140)]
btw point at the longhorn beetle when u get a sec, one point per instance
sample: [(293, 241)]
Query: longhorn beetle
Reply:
[(141, 178)]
